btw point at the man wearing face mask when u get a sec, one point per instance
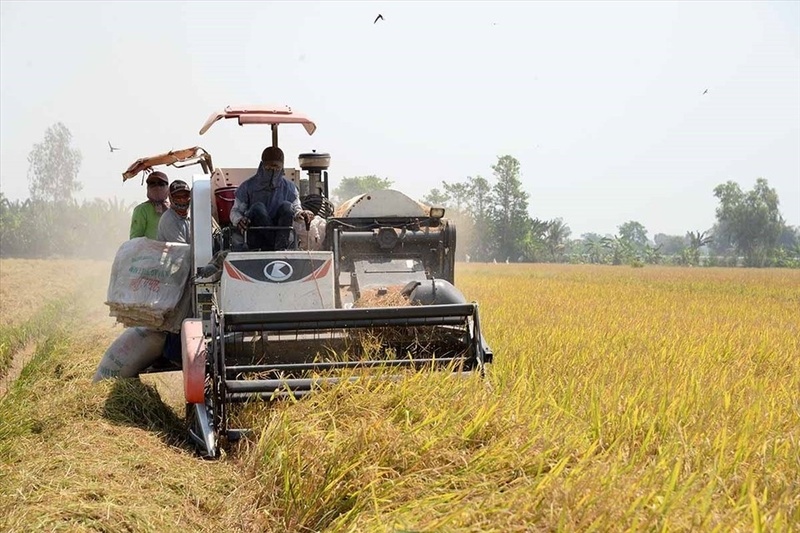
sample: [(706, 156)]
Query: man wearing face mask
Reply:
[(268, 199), (175, 225), (145, 217)]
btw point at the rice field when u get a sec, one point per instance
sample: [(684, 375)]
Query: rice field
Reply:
[(625, 399)]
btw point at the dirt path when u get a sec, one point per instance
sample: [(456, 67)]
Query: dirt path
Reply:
[(18, 361), (39, 295)]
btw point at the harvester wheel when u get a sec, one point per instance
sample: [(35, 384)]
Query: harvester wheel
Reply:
[(202, 431), (194, 360), (201, 415)]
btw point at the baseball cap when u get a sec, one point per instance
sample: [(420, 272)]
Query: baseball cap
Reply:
[(157, 176), (178, 185), (272, 153)]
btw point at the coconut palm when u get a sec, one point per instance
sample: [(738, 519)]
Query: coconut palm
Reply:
[(556, 236)]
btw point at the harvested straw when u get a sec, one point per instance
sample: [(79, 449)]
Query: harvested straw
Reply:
[(383, 297)]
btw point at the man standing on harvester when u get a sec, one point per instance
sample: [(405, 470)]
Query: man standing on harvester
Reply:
[(145, 216), (267, 199), (174, 225)]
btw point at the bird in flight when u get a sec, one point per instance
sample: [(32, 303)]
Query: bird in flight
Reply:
[(704, 92), (379, 17), (112, 148)]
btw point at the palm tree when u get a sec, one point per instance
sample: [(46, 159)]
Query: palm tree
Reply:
[(621, 249), (595, 250), (652, 255), (535, 241), (556, 236), (697, 240)]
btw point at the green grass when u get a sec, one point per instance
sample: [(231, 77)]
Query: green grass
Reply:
[(49, 321)]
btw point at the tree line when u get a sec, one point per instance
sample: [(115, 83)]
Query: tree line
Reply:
[(51, 223), (492, 217), (494, 225), (64, 228)]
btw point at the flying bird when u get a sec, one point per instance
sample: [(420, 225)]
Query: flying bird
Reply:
[(704, 92), (112, 148), (379, 17)]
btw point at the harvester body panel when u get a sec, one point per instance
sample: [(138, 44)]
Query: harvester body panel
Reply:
[(276, 281)]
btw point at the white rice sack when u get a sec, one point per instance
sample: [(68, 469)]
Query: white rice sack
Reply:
[(133, 351), (314, 237), (148, 279), (173, 319), (316, 233)]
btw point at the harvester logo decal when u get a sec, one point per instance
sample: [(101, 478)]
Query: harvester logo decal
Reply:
[(278, 271), (261, 270)]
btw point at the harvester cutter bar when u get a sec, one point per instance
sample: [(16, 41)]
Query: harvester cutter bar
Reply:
[(236, 387), (242, 397), (244, 391), (423, 315), (329, 365), (312, 324), (262, 385)]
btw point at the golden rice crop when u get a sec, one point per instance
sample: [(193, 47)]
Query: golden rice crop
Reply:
[(620, 399), (26, 284)]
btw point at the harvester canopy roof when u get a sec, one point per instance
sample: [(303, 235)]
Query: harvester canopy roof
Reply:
[(261, 114), (176, 158)]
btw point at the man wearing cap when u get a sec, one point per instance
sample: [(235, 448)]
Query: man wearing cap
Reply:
[(145, 217), (268, 199), (175, 225)]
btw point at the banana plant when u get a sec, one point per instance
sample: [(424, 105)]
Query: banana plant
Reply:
[(696, 240)]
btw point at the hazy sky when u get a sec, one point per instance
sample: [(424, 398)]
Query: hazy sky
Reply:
[(601, 102)]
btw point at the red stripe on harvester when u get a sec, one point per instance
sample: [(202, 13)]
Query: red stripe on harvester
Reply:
[(320, 272), (323, 270), (234, 272)]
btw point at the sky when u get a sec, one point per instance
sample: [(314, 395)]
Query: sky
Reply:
[(601, 102)]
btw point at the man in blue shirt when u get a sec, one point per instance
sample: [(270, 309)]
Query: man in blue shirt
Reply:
[(268, 199)]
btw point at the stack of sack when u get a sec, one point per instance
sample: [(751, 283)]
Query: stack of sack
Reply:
[(149, 284)]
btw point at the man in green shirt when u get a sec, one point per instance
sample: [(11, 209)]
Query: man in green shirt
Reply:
[(145, 217)]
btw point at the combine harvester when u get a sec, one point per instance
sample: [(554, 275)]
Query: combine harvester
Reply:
[(376, 291)]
